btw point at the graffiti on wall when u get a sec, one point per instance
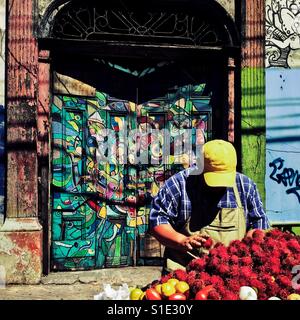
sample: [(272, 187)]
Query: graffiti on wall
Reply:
[(100, 209), (282, 33), (282, 156), (289, 177)]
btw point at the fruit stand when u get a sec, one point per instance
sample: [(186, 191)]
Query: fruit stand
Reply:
[(261, 267)]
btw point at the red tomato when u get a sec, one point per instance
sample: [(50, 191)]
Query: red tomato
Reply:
[(202, 294), (177, 296), (152, 294)]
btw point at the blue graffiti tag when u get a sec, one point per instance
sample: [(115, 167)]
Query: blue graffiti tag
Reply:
[(288, 177)]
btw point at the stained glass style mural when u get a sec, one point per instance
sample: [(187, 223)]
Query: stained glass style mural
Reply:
[(108, 162)]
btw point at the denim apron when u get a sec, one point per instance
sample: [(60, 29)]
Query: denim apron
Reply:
[(229, 224)]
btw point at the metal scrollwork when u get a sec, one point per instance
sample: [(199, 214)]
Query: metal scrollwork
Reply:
[(83, 22)]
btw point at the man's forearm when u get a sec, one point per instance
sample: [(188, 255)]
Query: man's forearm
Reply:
[(169, 237)]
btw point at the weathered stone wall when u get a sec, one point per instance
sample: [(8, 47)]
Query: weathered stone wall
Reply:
[(2, 105), (21, 233), (2, 51), (21, 250), (229, 5)]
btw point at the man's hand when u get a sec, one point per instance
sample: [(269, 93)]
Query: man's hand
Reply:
[(250, 233), (166, 235), (195, 241)]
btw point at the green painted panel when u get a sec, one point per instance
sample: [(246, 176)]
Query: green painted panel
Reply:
[(73, 249), (253, 126)]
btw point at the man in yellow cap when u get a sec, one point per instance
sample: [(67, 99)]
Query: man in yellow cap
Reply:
[(219, 203)]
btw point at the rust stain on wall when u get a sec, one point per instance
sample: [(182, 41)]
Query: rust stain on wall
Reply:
[(21, 185), (254, 34), (21, 253), (22, 89), (22, 240), (22, 51)]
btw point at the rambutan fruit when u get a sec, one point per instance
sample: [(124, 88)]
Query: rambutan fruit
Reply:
[(165, 278), (216, 281), (259, 285), (232, 250), (247, 240), (213, 295), (258, 233), (223, 269), (214, 262), (197, 264), (234, 271), (181, 275), (284, 281), (246, 261), (204, 276), (274, 233), (293, 245), (245, 272), (255, 248), (230, 296), (234, 259), (208, 243), (283, 294), (233, 285), (272, 289)]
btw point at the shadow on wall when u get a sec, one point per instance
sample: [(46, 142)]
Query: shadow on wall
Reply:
[(2, 163)]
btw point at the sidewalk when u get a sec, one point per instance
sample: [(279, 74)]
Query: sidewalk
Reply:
[(81, 285)]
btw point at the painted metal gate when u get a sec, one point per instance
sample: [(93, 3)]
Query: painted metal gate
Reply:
[(102, 186)]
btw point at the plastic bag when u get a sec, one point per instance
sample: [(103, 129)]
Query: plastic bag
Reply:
[(109, 293)]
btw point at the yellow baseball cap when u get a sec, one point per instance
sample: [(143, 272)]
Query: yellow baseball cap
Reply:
[(220, 162)]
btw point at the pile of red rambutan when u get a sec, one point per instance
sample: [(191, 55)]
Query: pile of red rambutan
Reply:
[(264, 262)]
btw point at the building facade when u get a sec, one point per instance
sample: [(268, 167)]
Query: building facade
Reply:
[(2, 103), (282, 105), (95, 91)]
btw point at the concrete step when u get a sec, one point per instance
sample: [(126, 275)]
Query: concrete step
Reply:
[(80, 285)]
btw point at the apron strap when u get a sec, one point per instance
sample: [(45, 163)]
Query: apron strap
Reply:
[(237, 196)]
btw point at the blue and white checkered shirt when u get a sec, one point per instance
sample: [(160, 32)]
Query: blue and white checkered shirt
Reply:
[(172, 205)]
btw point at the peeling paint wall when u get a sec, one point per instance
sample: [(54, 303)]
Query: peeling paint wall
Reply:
[(2, 109), (42, 6), (21, 251), (21, 234), (283, 110)]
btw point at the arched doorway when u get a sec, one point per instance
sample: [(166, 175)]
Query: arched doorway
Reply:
[(122, 77)]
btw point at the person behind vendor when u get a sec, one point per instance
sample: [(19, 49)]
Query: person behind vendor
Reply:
[(219, 203)]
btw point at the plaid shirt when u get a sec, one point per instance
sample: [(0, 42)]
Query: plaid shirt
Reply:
[(173, 195)]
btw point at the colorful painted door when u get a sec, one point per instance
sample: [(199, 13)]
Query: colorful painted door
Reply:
[(108, 162)]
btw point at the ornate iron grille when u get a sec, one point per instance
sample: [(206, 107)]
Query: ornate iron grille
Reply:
[(86, 22)]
